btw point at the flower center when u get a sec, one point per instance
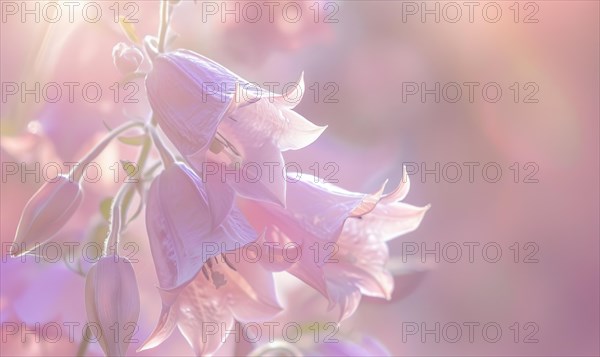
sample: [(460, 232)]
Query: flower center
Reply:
[(210, 272)]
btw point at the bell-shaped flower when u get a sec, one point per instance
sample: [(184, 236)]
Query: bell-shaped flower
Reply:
[(112, 303), (229, 289), (46, 213), (358, 266), (178, 222), (340, 238), (300, 238), (204, 108)]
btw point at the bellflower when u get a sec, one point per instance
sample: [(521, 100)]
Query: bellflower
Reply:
[(178, 222), (338, 238), (211, 114), (308, 228), (359, 265)]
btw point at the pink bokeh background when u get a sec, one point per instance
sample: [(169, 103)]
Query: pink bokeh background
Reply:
[(368, 55)]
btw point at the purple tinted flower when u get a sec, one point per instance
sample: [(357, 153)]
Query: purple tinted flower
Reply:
[(178, 222), (213, 115)]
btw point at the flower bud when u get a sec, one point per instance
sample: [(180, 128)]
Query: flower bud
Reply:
[(46, 213), (126, 58), (112, 303)]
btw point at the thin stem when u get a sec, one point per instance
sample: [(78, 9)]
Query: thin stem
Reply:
[(116, 219), (164, 25), (151, 170), (85, 341), (165, 155), (140, 163), (77, 171)]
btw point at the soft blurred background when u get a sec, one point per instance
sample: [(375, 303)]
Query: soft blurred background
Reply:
[(358, 57)]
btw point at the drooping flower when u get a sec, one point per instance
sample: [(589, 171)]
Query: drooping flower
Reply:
[(112, 303), (206, 309), (359, 265), (178, 222), (337, 236), (46, 213), (300, 238), (211, 114)]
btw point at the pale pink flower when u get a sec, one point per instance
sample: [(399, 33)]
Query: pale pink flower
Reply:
[(112, 303), (178, 222), (46, 213), (201, 105), (337, 236), (359, 264), (308, 228), (206, 309)]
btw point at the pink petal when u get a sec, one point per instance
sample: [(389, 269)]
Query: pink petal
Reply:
[(266, 120), (252, 297), (358, 268), (345, 294), (393, 220), (164, 328), (400, 192), (255, 181), (203, 317), (362, 257), (299, 132), (294, 97), (307, 270), (220, 199), (369, 202)]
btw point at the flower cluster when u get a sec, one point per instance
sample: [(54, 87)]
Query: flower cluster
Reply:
[(195, 222), (187, 208)]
